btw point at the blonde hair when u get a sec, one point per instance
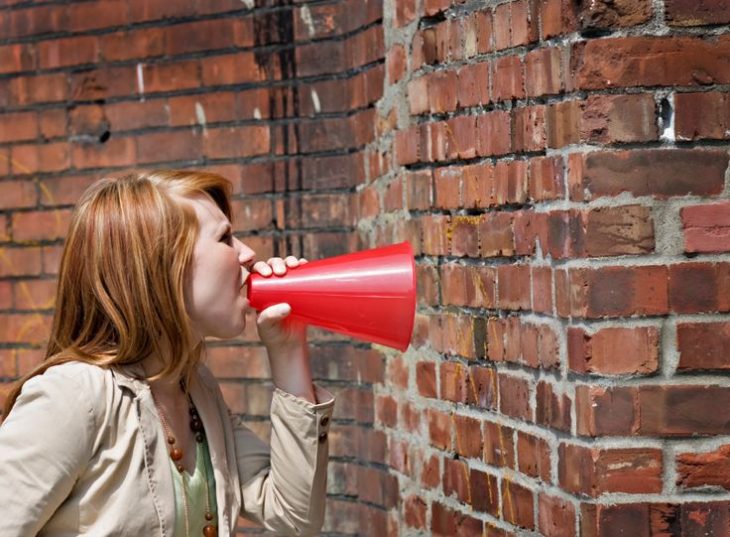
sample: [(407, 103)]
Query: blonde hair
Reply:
[(123, 271)]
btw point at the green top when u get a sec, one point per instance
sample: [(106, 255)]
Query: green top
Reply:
[(196, 491)]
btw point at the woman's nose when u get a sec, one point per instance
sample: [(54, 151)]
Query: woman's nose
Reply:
[(245, 254)]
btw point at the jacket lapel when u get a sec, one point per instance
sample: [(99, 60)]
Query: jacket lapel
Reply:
[(156, 457), (204, 398)]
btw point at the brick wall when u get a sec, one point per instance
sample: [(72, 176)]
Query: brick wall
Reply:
[(562, 166), (559, 167)]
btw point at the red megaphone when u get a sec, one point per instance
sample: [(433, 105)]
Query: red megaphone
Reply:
[(369, 295)]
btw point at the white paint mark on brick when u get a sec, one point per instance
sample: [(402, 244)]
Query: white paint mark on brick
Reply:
[(306, 17), (315, 102), (668, 133), (200, 114), (250, 4), (257, 113), (140, 80)]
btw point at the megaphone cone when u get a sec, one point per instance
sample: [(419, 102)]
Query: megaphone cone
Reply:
[(369, 295)]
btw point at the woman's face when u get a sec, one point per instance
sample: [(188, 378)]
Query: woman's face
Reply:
[(216, 296)]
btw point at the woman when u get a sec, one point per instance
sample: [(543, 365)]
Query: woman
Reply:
[(122, 430)]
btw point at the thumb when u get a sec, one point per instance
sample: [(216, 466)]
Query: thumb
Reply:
[(274, 314)]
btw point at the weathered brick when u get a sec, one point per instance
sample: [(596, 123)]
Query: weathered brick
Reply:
[(630, 62), (694, 13), (614, 350), (703, 346), (594, 471), (703, 115), (651, 172), (556, 516), (709, 469)]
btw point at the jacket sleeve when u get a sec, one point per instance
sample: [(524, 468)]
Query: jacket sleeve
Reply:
[(45, 442), (284, 485)]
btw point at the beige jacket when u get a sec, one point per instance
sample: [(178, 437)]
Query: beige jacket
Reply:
[(83, 453)]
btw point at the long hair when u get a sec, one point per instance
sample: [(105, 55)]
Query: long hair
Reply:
[(123, 271)]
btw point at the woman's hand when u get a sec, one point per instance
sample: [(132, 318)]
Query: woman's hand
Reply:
[(277, 331), (285, 338)]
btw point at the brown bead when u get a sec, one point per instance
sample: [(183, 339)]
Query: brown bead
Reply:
[(210, 531), (208, 516), (180, 468), (176, 454), (170, 440)]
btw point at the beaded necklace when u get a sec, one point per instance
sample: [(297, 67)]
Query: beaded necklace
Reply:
[(176, 454)]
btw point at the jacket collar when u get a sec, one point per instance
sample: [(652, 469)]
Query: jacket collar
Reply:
[(203, 389)]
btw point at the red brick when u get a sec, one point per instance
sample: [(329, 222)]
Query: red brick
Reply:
[(509, 78), (558, 17), (478, 186), (514, 397), (52, 123), (473, 85), (683, 410), (97, 15), (556, 516), (446, 522), (484, 492), (19, 57), (606, 411), (40, 225), (464, 236), (35, 21), (69, 51), (414, 509), (534, 454), (15, 127), (134, 44), (482, 387), (493, 134), (35, 294), (614, 350), (546, 178), (619, 118), (654, 172), (496, 235), (39, 158), (196, 36), (38, 89), (709, 469), (136, 115), (626, 230), (631, 62), (179, 145), (518, 504), (244, 141), (145, 10), (456, 479), (542, 290), (171, 76), (499, 447), (543, 72), (467, 436), (562, 121), (18, 194), (552, 407), (595, 471), (528, 129), (703, 346), (706, 227), (103, 83), (697, 13), (513, 287), (618, 291), (115, 152), (439, 429), (610, 15), (699, 287), (24, 328), (703, 115)]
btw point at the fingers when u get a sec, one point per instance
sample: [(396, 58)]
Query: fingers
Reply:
[(273, 314), (277, 265)]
